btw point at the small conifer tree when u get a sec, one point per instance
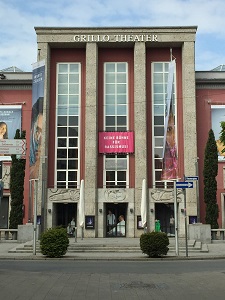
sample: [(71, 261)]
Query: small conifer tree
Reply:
[(210, 184), (17, 174)]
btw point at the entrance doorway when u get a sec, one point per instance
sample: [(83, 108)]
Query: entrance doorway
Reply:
[(63, 213), (163, 213), (115, 217)]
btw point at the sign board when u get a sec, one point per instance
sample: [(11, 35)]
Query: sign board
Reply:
[(10, 147), (184, 184), (193, 178)]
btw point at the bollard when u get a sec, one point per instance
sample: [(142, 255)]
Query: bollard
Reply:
[(75, 234)]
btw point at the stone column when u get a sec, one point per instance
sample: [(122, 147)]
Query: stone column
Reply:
[(140, 123), (91, 131), (44, 54), (189, 121)]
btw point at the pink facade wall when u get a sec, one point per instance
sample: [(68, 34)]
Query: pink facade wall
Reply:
[(204, 99)]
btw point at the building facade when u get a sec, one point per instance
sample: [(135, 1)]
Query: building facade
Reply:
[(15, 112), (105, 108)]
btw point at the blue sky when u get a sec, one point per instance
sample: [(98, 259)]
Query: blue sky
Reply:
[(18, 45)]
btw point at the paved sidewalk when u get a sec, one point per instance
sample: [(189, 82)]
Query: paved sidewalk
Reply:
[(216, 250)]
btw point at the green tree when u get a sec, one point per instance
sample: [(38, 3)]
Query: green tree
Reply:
[(210, 184), (17, 174)]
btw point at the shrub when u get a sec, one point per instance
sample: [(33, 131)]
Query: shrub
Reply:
[(54, 242), (154, 244)]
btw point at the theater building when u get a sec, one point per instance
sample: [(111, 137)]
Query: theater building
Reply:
[(111, 98)]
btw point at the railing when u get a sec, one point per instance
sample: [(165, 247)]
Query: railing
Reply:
[(218, 234), (8, 233)]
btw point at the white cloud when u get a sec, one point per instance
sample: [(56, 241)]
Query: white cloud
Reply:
[(18, 19)]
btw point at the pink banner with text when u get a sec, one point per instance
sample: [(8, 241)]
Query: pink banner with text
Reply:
[(116, 142)]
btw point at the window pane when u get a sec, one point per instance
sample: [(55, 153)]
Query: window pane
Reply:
[(73, 142), (61, 175), (73, 99), (63, 68), (110, 78), (73, 88), (121, 78), (121, 176), (62, 143), (61, 153), (159, 109), (73, 121), (73, 111), (159, 98), (73, 131), (62, 131), (61, 164), (110, 99), (159, 120), (62, 88), (74, 68), (158, 67), (110, 89), (121, 88), (110, 109), (74, 78), (71, 153), (72, 175), (110, 67), (110, 175), (72, 164), (110, 121), (121, 99), (62, 111), (159, 131), (158, 77), (122, 110), (121, 120), (121, 67), (158, 88), (62, 121), (62, 99), (63, 78)]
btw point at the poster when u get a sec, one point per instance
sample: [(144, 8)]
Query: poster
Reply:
[(10, 120), (38, 80), (218, 115)]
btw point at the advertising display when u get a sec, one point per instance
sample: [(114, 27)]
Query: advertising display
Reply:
[(116, 142), (218, 116), (38, 79)]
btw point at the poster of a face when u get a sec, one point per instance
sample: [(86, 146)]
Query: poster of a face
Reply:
[(38, 80), (218, 115), (10, 120)]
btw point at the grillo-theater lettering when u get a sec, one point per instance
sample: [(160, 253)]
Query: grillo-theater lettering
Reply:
[(116, 38)]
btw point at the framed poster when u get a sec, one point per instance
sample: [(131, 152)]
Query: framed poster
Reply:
[(89, 222), (192, 219), (139, 223)]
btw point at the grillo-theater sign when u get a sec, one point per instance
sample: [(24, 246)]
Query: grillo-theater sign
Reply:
[(116, 38)]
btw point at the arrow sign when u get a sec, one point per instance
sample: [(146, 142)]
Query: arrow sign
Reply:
[(184, 185), (191, 178)]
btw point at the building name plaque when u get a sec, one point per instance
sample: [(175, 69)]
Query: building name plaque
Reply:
[(121, 38)]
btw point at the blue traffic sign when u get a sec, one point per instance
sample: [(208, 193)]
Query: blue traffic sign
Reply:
[(191, 178), (184, 184)]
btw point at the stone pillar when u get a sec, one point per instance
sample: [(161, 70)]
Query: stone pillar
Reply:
[(189, 121), (44, 54), (140, 123), (91, 133)]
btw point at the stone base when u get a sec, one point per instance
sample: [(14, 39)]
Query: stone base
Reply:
[(200, 232), (26, 232)]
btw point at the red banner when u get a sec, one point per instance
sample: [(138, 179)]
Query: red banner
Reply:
[(116, 142)]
